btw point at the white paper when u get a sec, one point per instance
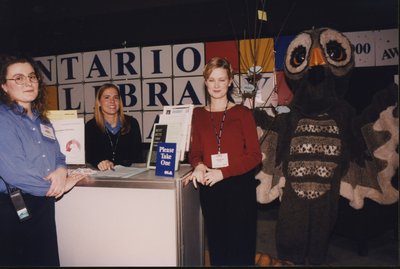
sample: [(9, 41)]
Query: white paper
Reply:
[(70, 134), (62, 114), (183, 115), (177, 132), (120, 171)]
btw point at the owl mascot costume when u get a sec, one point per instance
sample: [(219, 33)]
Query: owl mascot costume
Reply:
[(321, 149)]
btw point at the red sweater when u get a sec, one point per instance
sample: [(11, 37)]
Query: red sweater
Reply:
[(239, 139)]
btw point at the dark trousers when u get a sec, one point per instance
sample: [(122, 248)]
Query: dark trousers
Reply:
[(32, 242), (230, 216), (304, 227)]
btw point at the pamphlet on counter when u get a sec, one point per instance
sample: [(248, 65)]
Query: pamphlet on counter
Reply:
[(120, 171), (174, 126), (70, 133)]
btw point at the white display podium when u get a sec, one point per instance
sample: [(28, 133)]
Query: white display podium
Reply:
[(144, 220)]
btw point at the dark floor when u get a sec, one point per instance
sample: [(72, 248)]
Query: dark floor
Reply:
[(379, 248)]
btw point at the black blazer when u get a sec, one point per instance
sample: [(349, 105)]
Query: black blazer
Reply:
[(98, 147)]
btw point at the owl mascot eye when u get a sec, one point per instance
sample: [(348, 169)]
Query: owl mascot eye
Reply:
[(318, 66), (321, 149)]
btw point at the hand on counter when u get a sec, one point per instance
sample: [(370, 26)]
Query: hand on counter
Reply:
[(198, 174), (105, 165), (72, 180), (186, 178), (58, 181)]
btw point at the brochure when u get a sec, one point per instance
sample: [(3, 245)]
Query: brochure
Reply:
[(70, 134)]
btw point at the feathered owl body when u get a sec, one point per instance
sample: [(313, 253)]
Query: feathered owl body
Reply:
[(321, 149), (320, 144)]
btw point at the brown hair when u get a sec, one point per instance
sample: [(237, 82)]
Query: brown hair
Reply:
[(217, 62), (40, 104), (98, 113), (214, 63)]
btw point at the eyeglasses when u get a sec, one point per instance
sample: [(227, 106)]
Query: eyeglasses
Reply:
[(21, 79)]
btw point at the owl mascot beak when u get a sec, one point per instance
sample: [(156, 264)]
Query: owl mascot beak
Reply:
[(317, 57)]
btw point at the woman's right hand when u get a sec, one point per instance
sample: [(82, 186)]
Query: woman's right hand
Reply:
[(58, 180), (198, 174), (105, 165)]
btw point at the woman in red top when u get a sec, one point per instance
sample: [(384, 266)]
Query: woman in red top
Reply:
[(224, 153)]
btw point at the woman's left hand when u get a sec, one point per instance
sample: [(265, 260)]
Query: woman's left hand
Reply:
[(58, 180), (212, 176)]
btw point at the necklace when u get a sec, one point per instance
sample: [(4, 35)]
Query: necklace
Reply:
[(221, 126), (113, 146)]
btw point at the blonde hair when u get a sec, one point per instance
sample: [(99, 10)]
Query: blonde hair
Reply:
[(98, 113)]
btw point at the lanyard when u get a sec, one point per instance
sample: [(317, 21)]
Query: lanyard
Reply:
[(9, 188), (113, 147), (219, 135)]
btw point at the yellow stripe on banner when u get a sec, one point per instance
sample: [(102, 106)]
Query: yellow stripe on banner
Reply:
[(52, 97), (257, 52)]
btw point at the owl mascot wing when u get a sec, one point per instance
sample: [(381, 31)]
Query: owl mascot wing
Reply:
[(321, 144)]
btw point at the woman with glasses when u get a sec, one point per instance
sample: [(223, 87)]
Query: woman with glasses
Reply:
[(111, 137), (33, 172)]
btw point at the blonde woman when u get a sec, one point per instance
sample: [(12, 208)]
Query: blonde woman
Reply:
[(111, 137)]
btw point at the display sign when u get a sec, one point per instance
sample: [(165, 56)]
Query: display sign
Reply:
[(166, 159)]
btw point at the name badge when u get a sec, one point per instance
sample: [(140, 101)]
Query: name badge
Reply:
[(47, 131), (219, 160)]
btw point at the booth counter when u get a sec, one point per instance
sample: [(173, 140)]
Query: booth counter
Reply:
[(143, 220)]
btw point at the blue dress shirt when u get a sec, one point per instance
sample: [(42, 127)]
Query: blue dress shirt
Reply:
[(114, 130), (26, 155)]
